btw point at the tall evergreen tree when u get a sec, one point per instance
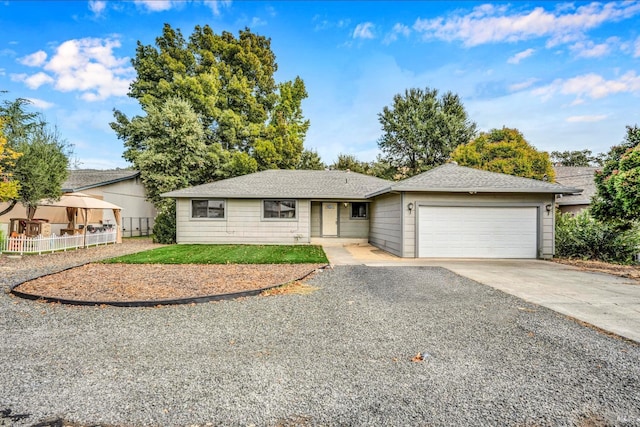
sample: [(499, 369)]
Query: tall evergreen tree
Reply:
[(229, 82), (421, 129)]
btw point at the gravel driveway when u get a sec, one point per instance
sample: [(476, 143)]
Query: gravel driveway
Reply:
[(339, 356)]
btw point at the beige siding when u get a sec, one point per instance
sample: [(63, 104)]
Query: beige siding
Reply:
[(546, 220), (243, 224), (316, 221), (348, 228), (385, 223), (352, 228), (129, 195)]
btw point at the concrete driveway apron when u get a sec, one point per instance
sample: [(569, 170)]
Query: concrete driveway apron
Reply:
[(608, 302)]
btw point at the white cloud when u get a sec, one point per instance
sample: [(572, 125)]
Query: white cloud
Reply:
[(322, 23), (589, 49), (164, 5), (492, 24), (215, 5), (40, 103), (86, 65), (33, 81), (257, 22), (37, 80), (155, 5), (398, 29), (522, 85), (586, 119), (515, 59), (36, 59), (591, 85), (97, 6), (364, 31), (636, 52)]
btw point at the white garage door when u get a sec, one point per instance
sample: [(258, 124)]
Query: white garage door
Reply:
[(477, 232)]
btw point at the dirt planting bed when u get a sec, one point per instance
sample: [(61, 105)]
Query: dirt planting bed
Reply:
[(152, 282)]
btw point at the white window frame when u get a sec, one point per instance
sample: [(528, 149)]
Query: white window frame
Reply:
[(207, 218), (295, 213), (366, 213)]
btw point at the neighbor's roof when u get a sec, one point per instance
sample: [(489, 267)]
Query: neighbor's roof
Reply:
[(581, 177), (295, 184), (83, 179), (459, 179)]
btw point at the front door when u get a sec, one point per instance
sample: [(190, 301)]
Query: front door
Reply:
[(330, 219)]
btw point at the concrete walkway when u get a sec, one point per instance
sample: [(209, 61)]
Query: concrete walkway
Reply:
[(609, 302)]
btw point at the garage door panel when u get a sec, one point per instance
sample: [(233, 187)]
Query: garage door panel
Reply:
[(478, 232)]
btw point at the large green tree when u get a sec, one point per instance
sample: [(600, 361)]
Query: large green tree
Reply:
[(421, 129), (617, 199), (229, 82), (505, 151), (43, 164)]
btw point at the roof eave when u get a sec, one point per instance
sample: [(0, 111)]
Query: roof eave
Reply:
[(341, 197), (565, 190), (100, 184)]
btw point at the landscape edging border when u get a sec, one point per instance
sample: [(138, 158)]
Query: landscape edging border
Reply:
[(149, 303)]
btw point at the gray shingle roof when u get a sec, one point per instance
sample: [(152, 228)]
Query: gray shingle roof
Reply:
[(294, 184), (459, 179), (580, 177), (83, 179)]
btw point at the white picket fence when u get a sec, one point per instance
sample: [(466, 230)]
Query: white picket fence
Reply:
[(40, 244)]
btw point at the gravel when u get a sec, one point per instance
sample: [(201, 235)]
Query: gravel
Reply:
[(341, 355)]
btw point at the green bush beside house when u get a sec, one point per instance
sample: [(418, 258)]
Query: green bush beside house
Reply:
[(582, 236)]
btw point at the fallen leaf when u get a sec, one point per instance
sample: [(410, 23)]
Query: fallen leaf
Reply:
[(417, 358)]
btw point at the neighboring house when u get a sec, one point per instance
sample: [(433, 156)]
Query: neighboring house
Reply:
[(121, 187), (577, 177), (449, 211)]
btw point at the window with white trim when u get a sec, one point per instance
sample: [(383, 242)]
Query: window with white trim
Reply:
[(208, 208), (279, 209), (359, 210)]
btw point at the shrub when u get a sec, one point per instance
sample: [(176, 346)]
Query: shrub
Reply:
[(582, 236), (164, 229)]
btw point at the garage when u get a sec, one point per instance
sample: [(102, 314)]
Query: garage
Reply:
[(477, 232)]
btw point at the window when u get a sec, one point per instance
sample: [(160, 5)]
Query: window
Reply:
[(279, 209), (207, 209), (359, 210)]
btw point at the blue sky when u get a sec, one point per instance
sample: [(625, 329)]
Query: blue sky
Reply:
[(567, 75)]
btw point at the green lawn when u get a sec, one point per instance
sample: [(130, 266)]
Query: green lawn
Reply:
[(227, 254)]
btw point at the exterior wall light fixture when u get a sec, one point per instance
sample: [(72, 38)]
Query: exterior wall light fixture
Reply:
[(410, 207)]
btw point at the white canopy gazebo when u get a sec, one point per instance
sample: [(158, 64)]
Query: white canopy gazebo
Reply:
[(85, 202)]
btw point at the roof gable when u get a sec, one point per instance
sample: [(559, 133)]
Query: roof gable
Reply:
[(83, 179), (294, 184), (459, 179), (580, 177)]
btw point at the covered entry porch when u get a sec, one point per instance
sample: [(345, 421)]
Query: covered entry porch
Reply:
[(339, 221)]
